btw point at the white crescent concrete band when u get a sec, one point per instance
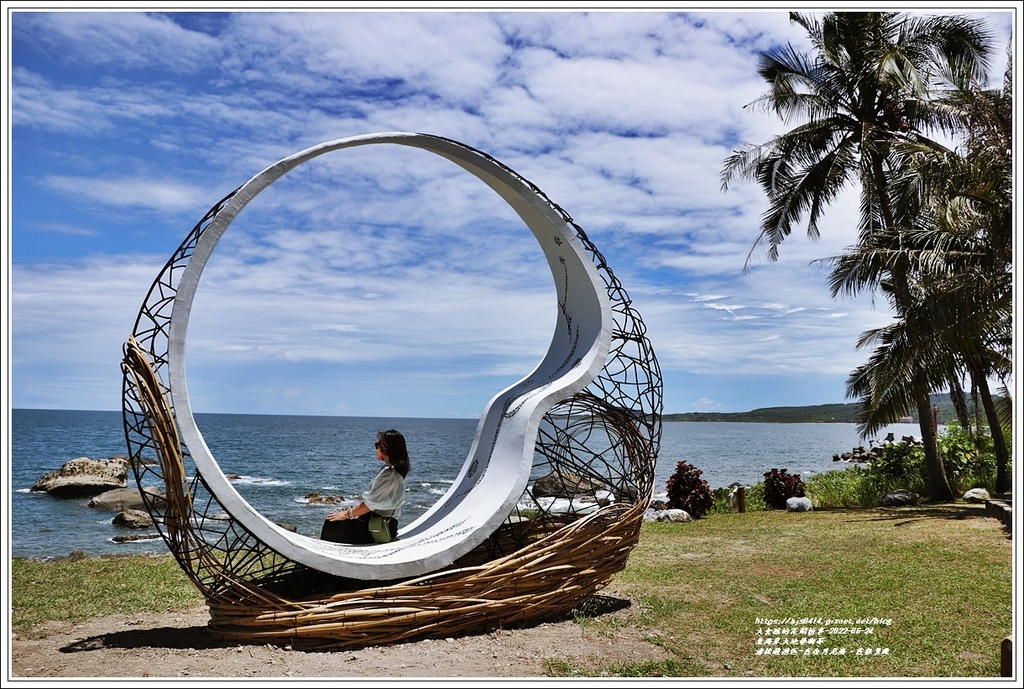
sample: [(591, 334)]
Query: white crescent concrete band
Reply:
[(497, 469)]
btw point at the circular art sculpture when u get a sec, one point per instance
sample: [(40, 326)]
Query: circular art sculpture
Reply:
[(492, 550)]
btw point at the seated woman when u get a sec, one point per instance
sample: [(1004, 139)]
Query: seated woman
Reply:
[(385, 496)]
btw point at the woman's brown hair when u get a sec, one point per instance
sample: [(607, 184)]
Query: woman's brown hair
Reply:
[(392, 444)]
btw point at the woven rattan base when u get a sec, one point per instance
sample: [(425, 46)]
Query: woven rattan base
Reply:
[(546, 579)]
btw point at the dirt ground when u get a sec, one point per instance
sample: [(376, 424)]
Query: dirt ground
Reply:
[(172, 645)]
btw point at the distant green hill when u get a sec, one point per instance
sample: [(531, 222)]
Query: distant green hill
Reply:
[(821, 413)]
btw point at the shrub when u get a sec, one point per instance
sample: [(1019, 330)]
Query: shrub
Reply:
[(899, 465), (755, 498), (688, 491), (780, 486), (722, 501), (970, 462)]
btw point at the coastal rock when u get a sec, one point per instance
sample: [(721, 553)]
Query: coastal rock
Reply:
[(133, 519), (977, 495), (84, 476), (129, 538), (799, 505), (317, 499), (566, 485), (899, 498), (860, 455), (120, 499)]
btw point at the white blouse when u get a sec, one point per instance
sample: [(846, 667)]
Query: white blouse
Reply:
[(387, 492)]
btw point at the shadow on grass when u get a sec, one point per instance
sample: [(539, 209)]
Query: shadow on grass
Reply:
[(597, 605), (911, 513), (200, 638), (956, 511)]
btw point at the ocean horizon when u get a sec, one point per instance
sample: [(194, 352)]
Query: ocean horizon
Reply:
[(280, 459)]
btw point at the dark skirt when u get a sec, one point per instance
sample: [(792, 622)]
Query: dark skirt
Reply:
[(355, 531)]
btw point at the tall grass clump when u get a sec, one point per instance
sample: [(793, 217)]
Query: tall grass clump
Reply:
[(839, 488), (755, 498), (723, 499)]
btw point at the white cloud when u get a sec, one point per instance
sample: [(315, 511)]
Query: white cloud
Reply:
[(130, 40), (168, 194), (388, 268)]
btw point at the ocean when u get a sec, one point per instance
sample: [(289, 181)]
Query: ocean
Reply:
[(279, 460)]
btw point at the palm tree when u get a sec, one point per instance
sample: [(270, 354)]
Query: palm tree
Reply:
[(957, 326), (905, 366), (867, 86), (966, 199)]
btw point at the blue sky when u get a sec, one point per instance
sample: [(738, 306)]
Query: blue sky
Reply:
[(384, 281)]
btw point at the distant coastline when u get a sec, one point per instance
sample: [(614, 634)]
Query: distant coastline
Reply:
[(820, 413)]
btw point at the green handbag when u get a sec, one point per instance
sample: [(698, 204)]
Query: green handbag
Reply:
[(379, 528)]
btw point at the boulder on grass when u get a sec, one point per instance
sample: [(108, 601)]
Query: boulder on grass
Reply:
[(977, 495), (673, 515), (899, 498), (799, 505)]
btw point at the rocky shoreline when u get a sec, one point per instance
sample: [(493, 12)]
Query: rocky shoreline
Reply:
[(862, 455), (105, 482)]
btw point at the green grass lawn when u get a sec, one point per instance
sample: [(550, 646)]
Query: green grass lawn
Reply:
[(910, 592), (901, 592)]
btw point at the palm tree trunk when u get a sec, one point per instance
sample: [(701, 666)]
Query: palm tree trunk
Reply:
[(998, 439), (935, 471), (938, 485), (959, 400)]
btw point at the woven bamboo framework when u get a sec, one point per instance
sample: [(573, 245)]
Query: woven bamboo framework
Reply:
[(538, 562)]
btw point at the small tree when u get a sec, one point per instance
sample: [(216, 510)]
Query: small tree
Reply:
[(688, 491), (780, 486)]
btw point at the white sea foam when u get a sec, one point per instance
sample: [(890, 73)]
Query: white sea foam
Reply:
[(256, 480)]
